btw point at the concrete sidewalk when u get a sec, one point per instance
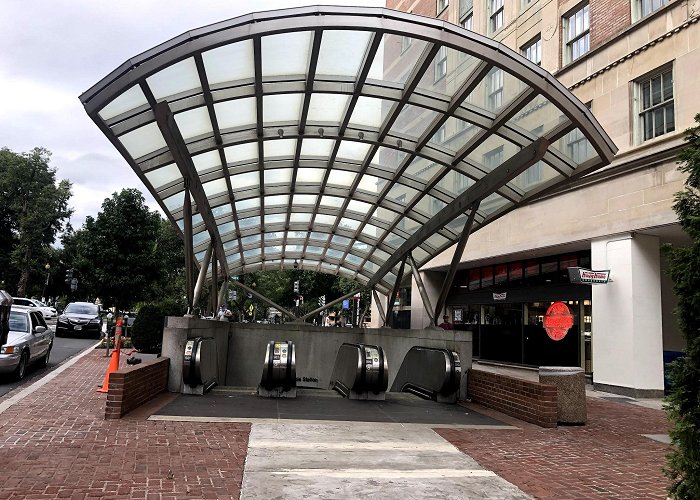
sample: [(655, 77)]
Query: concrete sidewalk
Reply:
[(55, 443)]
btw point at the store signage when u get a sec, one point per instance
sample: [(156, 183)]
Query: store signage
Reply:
[(557, 320), (500, 296), (588, 277)]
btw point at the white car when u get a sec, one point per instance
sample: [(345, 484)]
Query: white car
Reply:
[(29, 341), (48, 311)]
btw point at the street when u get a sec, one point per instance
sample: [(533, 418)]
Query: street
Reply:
[(63, 348)]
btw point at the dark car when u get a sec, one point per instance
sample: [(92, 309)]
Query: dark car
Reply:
[(80, 318)]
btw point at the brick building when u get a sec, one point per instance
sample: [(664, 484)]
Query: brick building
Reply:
[(635, 65)]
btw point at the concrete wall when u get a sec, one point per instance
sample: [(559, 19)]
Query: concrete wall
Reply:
[(241, 348)]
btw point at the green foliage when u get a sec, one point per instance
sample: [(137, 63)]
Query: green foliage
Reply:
[(147, 330), (126, 343), (278, 286), (127, 254), (33, 210), (683, 404)]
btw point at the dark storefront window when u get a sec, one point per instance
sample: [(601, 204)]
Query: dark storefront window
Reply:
[(532, 268), (539, 349), (515, 272), (506, 303), (501, 333), (474, 279), (501, 274), (486, 276)]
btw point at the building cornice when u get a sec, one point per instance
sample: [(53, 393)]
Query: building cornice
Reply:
[(686, 24)]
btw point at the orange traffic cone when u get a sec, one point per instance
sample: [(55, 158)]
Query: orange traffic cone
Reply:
[(114, 360)]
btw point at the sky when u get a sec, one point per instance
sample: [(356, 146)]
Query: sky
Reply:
[(51, 51)]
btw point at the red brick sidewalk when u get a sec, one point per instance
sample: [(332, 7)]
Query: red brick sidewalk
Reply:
[(606, 458), (55, 443)]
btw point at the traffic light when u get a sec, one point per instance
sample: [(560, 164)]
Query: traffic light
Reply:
[(69, 276), (296, 286)]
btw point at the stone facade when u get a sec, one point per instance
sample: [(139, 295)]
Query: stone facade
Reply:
[(634, 195)]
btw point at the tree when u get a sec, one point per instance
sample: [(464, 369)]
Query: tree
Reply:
[(683, 403), (117, 255), (33, 210)]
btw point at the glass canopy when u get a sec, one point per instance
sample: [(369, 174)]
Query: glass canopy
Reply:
[(341, 139)]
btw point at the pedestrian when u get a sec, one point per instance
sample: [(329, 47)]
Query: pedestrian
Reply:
[(446, 325)]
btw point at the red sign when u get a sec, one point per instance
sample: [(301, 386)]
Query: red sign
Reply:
[(558, 320)]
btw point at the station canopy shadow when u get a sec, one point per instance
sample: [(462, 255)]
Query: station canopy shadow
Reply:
[(343, 140)]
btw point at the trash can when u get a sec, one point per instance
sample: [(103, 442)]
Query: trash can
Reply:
[(571, 392)]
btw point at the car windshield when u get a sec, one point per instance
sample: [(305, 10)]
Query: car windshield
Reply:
[(81, 309), (40, 303), (19, 322)]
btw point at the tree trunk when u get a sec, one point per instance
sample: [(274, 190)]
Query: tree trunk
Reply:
[(24, 277)]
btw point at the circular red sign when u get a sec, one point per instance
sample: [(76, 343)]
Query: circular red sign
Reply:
[(558, 320)]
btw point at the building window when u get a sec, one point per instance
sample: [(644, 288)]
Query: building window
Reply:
[(461, 183), (441, 63), (656, 112), (494, 89), (533, 51), (645, 7), (467, 22), (496, 18), (493, 158), (577, 146), (442, 5), (465, 10), (405, 43), (577, 33), (440, 135)]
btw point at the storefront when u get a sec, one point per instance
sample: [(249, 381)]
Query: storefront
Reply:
[(504, 305)]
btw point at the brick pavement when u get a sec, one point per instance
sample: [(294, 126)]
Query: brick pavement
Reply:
[(55, 443), (606, 458)]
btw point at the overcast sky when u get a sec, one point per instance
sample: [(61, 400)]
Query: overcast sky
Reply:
[(53, 50)]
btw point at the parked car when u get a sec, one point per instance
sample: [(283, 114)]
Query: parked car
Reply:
[(47, 311), (80, 318), (29, 341)]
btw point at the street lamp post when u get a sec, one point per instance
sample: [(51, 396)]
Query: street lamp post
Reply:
[(46, 285)]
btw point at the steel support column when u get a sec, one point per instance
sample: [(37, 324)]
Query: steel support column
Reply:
[(489, 183), (202, 276), (389, 321), (380, 307), (222, 293), (421, 288), (214, 293), (459, 250), (178, 148), (189, 251)]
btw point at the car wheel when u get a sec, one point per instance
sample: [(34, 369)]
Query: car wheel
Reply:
[(45, 360), (21, 369)]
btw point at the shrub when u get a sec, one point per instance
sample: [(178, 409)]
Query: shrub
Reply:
[(683, 403), (147, 330)]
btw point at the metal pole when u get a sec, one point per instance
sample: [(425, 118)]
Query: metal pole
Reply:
[(421, 288), (380, 307), (202, 276), (189, 251), (392, 298), (459, 250)]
